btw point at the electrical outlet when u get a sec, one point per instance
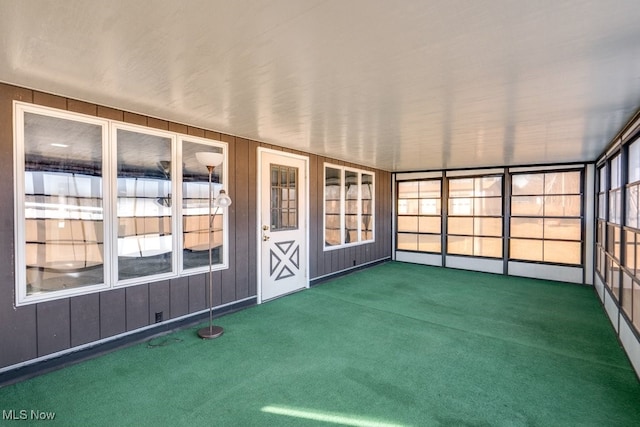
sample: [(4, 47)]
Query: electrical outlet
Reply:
[(159, 317)]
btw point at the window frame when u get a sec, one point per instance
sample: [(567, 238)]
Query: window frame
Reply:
[(473, 216), (109, 196), (419, 215), (544, 216), (343, 202)]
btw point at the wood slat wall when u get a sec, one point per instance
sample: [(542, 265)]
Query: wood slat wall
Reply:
[(36, 330)]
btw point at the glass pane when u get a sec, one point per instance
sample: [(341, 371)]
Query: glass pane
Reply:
[(603, 179), (429, 224), (412, 207), (332, 230), (613, 278), (351, 206), (460, 245), (636, 262), (636, 305), (488, 247), (615, 172), (527, 250), (527, 184), (600, 233), (195, 208), (143, 208), (408, 223), (460, 226), (602, 208), (366, 214), (632, 207), (463, 206), (488, 186), (429, 243), (408, 189), (527, 206), (562, 252), (332, 186), (407, 242), (487, 226), (527, 227), (488, 206), (430, 207), (562, 205), (430, 189), (626, 295), (63, 204), (562, 183), (634, 162), (284, 198), (616, 242), (351, 185), (562, 228), (461, 187)]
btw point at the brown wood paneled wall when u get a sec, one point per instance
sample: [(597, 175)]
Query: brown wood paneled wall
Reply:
[(37, 330)]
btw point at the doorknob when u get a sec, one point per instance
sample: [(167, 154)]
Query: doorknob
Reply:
[(265, 237), (265, 227)]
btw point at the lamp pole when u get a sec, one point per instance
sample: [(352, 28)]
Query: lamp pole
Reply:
[(211, 160)]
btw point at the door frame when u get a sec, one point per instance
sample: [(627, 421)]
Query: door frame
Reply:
[(258, 223)]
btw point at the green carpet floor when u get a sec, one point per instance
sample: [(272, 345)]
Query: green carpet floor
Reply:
[(393, 345)]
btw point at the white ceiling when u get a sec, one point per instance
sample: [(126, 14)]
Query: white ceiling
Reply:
[(399, 85)]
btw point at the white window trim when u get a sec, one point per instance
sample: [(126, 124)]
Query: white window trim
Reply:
[(109, 195), (343, 202)]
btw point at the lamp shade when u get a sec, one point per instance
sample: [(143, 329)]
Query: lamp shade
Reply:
[(223, 200), (208, 158)]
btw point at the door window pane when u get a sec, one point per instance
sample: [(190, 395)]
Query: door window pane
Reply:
[(284, 198)]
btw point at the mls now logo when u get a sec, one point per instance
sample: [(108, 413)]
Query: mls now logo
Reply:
[(23, 414)]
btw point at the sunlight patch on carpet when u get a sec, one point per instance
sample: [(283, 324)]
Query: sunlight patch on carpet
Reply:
[(329, 417)]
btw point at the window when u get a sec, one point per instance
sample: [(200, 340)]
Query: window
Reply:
[(419, 221), (143, 208), (61, 218), (601, 223), (348, 206), (474, 223), (614, 229), (95, 204), (546, 217), (631, 276), (195, 208)]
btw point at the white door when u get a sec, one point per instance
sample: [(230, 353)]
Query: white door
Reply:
[(283, 205)]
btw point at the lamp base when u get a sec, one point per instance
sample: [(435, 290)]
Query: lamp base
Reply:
[(210, 332)]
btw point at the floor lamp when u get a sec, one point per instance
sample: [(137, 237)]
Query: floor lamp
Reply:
[(211, 161)]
